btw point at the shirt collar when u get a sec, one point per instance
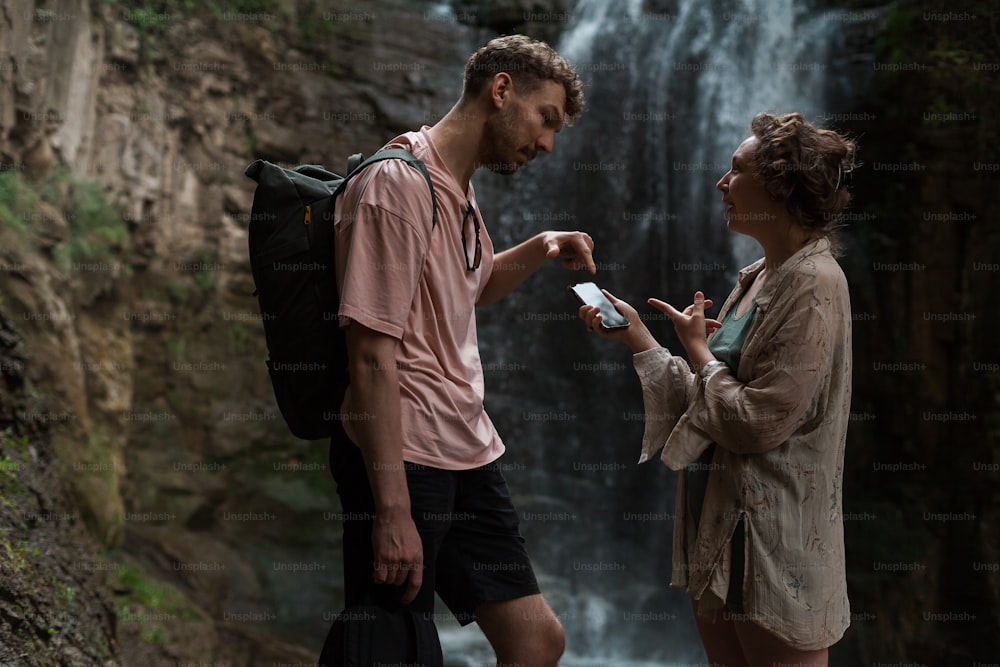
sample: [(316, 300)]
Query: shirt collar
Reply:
[(763, 298)]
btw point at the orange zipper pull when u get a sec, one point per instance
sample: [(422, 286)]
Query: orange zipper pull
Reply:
[(308, 214)]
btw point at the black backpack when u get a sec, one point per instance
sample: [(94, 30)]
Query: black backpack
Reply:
[(292, 261)]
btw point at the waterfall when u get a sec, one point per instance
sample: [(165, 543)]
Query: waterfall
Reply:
[(671, 88)]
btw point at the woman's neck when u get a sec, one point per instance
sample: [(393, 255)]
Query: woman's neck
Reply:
[(780, 246)]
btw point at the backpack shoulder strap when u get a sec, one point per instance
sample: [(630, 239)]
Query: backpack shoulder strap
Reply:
[(355, 165)]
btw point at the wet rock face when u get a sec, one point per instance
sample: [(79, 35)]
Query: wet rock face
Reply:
[(55, 599), (124, 276), (542, 19)]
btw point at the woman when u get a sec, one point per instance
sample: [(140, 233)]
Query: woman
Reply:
[(757, 422)]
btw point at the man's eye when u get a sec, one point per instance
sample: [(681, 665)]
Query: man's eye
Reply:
[(551, 118)]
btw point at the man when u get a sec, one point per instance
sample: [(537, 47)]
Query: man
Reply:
[(425, 503)]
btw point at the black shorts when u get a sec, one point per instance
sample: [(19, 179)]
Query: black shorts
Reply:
[(473, 549)]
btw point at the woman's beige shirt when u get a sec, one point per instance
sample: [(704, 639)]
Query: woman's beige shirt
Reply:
[(780, 425)]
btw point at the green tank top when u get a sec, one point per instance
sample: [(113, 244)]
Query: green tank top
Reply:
[(727, 346), (727, 343)]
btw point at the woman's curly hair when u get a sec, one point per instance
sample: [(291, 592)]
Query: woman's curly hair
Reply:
[(806, 167)]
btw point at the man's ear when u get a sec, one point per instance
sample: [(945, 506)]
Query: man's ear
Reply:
[(501, 89)]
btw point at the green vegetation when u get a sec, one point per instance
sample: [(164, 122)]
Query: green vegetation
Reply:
[(157, 15), (97, 451), (176, 348), (191, 285), (177, 291), (173, 291), (13, 559), (66, 593), (952, 87), (97, 229), (206, 269), (10, 485), (10, 560), (144, 591), (160, 600), (157, 18), (250, 141), (312, 24), (242, 338), (16, 201), (8, 441)]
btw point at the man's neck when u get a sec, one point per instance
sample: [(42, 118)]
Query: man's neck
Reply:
[(456, 138)]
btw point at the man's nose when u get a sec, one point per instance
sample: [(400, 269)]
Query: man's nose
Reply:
[(546, 142)]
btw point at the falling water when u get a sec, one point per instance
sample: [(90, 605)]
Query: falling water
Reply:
[(671, 88)]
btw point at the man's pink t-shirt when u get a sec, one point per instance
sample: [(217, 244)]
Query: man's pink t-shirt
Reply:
[(399, 277)]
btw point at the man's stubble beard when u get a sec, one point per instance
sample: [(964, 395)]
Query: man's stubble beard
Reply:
[(500, 143)]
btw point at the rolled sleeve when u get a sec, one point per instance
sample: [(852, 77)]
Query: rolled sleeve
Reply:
[(666, 380)]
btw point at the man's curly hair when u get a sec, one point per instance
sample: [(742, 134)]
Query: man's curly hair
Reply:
[(805, 166), (529, 63)]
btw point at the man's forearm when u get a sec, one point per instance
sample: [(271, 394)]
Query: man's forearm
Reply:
[(380, 440), (375, 396), (512, 267), (378, 426)]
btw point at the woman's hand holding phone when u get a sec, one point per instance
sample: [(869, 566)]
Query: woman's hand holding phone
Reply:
[(633, 333)]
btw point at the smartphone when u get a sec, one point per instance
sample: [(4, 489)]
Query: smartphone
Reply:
[(590, 294)]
